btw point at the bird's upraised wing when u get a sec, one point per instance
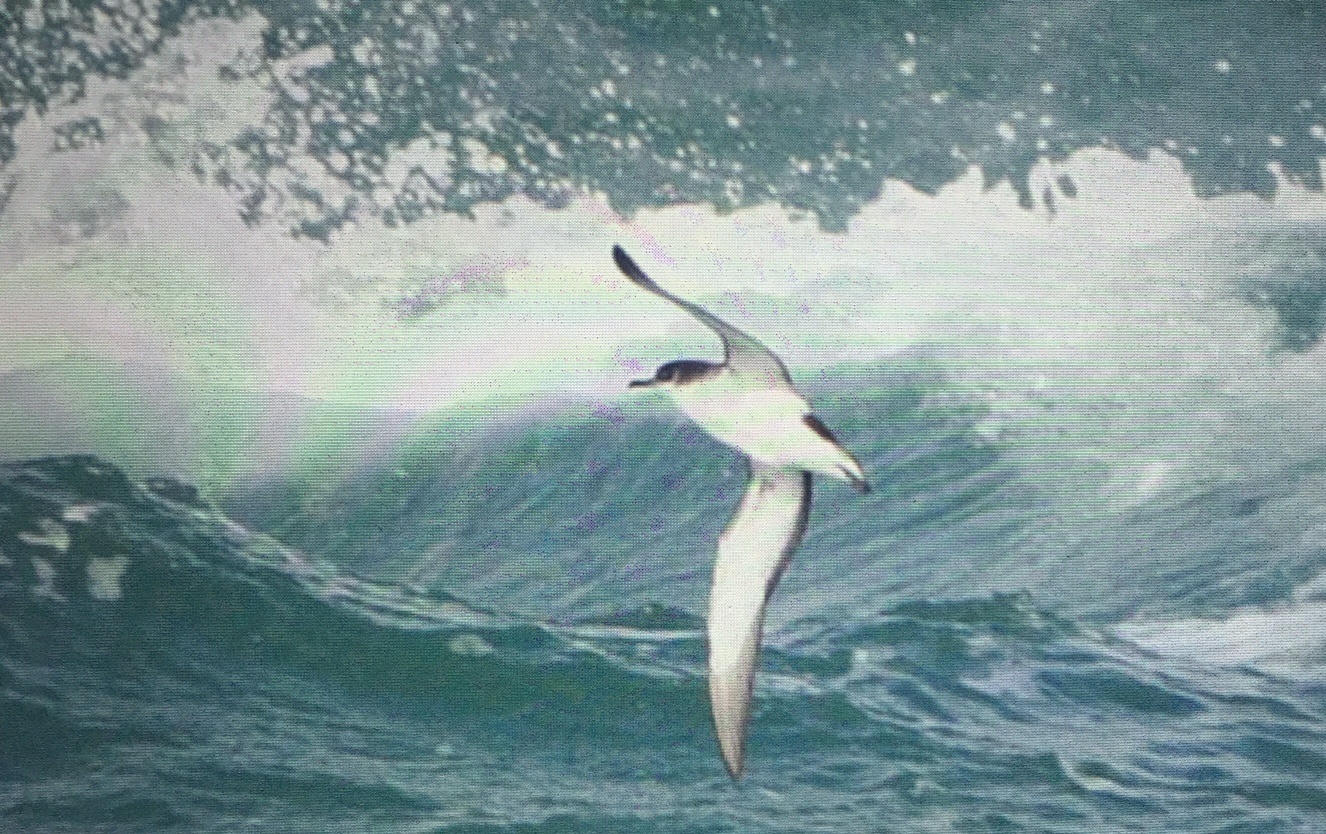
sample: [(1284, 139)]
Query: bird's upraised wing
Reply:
[(752, 553), (744, 354)]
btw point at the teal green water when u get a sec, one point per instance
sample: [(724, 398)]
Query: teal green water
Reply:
[(1086, 595), (914, 677)]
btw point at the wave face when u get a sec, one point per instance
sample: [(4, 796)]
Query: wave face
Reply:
[(166, 668), (326, 507)]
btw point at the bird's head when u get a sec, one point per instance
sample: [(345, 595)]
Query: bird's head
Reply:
[(679, 372)]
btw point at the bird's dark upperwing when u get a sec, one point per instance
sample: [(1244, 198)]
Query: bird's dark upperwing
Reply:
[(744, 354), (752, 554)]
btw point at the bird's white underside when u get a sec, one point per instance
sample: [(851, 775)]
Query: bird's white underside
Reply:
[(767, 424), (752, 552)]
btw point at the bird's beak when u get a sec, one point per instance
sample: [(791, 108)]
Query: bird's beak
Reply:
[(641, 383)]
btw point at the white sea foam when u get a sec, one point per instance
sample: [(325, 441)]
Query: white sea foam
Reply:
[(1115, 323), (50, 533), (105, 577), (45, 574), (1286, 638), (79, 513), (469, 645)]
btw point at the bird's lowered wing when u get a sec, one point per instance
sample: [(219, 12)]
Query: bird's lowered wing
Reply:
[(743, 354), (752, 553)]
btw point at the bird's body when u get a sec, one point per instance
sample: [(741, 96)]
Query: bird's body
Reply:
[(749, 403), (768, 424)]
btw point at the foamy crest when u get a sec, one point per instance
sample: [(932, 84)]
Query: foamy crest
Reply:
[(1287, 639), (105, 576), (149, 323)]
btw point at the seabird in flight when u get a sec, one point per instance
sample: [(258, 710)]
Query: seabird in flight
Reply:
[(747, 401)]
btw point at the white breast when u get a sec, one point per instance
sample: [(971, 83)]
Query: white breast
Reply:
[(764, 423)]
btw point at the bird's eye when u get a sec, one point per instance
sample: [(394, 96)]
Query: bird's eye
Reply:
[(664, 374)]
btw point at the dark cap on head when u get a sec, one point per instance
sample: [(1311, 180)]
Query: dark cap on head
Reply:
[(679, 372)]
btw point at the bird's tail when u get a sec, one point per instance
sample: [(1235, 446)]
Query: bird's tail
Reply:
[(855, 475)]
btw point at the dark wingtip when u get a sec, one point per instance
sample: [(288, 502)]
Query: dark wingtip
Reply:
[(623, 260), (816, 425), (861, 485), (629, 267)]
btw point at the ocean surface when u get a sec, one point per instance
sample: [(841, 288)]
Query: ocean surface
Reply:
[(324, 506)]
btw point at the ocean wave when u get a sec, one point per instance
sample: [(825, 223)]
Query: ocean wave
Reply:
[(966, 703), (418, 110)]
